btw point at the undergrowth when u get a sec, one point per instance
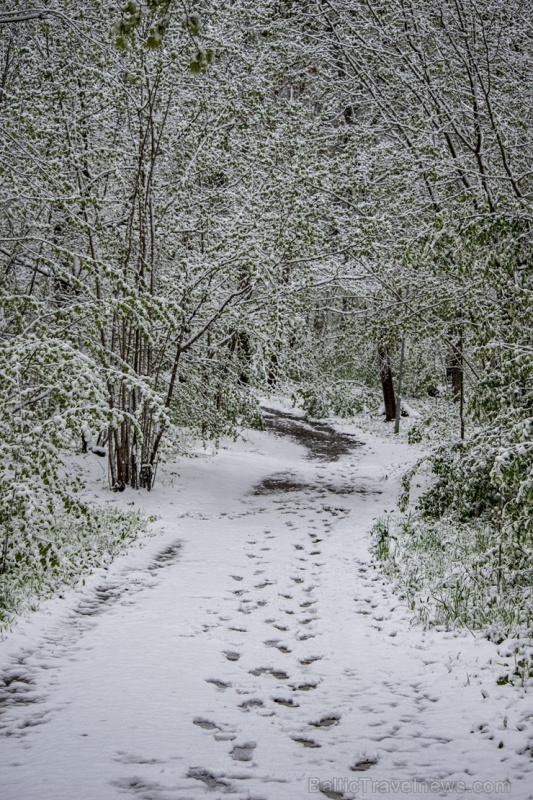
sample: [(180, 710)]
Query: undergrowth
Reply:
[(458, 574), (43, 565), (461, 555)]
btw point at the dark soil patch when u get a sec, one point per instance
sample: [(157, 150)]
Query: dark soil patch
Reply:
[(322, 441), (281, 482)]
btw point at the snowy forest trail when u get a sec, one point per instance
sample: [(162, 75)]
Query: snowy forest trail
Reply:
[(252, 651)]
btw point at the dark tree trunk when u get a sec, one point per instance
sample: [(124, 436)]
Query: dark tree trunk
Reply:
[(245, 351), (387, 384), (400, 377), (455, 376), (133, 462), (272, 374), (454, 370)]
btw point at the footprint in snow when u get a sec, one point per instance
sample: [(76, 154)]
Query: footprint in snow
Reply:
[(232, 655), (218, 683), (206, 724), (259, 671), (306, 742), (364, 763), (278, 645), (326, 722), (210, 780), (254, 702), (284, 701), (139, 786), (16, 687), (243, 752), (327, 791), (303, 687), (127, 758)]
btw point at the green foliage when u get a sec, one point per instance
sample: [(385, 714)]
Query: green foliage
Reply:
[(313, 404), (458, 574), (131, 18), (201, 60), (382, 537), (170, 245), (464, 554), (156, 17), (520, 666), (462, 482), (415, 435), (337, 398), (192, 23), (42, 562)]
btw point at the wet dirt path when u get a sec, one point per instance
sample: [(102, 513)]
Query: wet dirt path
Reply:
[(322, 441)]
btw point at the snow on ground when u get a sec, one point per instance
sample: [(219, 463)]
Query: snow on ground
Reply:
[(250, 649)]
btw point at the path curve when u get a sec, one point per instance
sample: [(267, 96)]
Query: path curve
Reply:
[(252, 652)]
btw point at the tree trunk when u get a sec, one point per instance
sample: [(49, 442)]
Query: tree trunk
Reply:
[(454, 369), (400, 377), (387, 384), (132, 462), (272, 372)]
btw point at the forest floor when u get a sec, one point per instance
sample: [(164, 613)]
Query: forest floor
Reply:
[(249, 648)]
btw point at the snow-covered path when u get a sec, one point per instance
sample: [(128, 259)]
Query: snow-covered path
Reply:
[(251, 650)]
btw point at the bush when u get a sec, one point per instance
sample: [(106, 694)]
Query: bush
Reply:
[(340, 398), (463, 555), (39, 564)]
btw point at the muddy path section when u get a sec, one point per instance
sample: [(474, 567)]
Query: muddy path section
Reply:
[(323, 442)]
